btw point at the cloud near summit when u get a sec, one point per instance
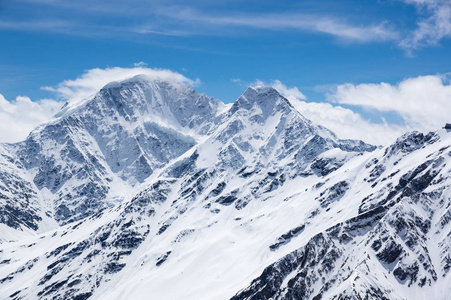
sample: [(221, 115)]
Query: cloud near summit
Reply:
[(93, 80), (423, 103), (18, 117), (26, 114), (344, 122)]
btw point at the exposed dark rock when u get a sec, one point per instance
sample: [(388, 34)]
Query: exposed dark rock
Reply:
[(390, 252), (163, 228), (113, 267), (334, 193), (218, 189), (228, 198), (286, 237), (162, 259), (128, 239)]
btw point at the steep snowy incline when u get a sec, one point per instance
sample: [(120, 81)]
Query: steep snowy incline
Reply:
[(22, 207), (397, 246), (91, 154)]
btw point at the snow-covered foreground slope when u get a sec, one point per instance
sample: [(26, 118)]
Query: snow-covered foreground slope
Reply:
[(257, 203)]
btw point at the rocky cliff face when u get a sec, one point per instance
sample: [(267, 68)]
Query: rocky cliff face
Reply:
[(150, 188), (116, 140)]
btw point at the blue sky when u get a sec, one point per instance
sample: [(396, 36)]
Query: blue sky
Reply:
[(314, 46)]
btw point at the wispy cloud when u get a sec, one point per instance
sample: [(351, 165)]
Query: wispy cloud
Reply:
[(178, 19), (140, 64), (433, 26), (175, 18), (288, 21), (67, 27), (37, 25)]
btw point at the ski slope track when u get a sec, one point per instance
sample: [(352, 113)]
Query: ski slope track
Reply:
[(150, 190)]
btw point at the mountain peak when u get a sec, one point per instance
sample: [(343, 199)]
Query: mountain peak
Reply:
[(139, 86), (140, 78), (264, 98), (261, 93), (144, 80)]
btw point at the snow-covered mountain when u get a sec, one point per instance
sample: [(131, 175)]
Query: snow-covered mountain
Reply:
[(151, 190), (93, 151)]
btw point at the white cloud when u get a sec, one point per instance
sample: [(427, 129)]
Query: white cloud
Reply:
[(289, 93), (431, 29), (423, 102), (20, 116), (93, 80), (345, 123)]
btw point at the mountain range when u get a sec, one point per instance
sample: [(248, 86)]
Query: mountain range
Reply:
[(150, 190)]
